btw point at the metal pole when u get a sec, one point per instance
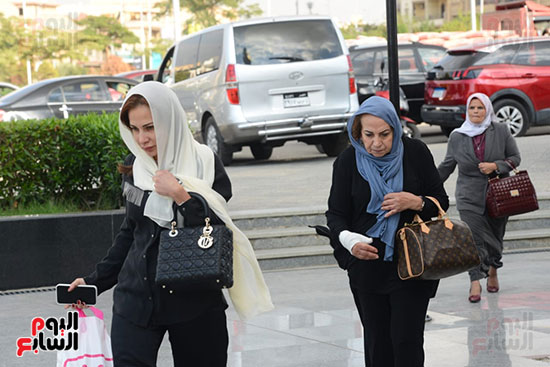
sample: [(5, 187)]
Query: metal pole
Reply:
[(473, 13), (149, 34), (481, 15), (393, 70), (177, 27), (29, 67)]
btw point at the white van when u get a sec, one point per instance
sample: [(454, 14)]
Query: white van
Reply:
[(262, 82)]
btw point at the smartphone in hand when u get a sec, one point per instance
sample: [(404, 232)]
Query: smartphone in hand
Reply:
[(83, 293)]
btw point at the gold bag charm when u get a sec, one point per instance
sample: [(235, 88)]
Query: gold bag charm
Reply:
[(205, 240)]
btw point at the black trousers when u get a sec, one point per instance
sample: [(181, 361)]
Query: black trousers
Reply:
[(201, 342), (393, 327)]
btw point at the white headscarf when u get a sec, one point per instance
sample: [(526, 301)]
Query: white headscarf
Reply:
[(468, 127), (194, 165)]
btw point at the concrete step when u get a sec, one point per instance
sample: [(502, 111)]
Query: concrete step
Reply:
[(277, 218), (282, 239), (534, 220), (297, 256), (296, 217)]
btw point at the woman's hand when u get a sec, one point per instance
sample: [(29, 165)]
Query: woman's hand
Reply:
[(487, 167), (74, 284), (166, 184), (397, 202), (364, 251)]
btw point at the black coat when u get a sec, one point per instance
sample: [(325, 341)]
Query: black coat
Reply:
[(131, 262), (349, 197)]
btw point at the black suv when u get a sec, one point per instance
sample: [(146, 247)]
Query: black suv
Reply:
[(415, 59)]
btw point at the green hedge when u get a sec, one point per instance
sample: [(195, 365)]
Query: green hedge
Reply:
[(72, 161)]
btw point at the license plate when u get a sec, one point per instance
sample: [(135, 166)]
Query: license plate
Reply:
[(438, 93), (295, 99)]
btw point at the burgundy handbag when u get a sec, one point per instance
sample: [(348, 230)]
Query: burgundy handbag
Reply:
[(511, 195)]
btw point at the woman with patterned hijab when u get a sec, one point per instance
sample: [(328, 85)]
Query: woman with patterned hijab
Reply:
[(379, 184), (481, 148), (165, 165)]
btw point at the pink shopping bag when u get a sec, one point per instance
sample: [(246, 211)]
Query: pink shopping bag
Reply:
[(94, 343)]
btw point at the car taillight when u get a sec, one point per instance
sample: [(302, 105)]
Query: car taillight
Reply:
[(351, 76), (471, 74), (232, 88), (466, 74)]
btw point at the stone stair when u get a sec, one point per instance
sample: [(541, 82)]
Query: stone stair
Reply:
[(282, 239)]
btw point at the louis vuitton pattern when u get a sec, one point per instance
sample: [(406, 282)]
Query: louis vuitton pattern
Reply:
[(435, 249)]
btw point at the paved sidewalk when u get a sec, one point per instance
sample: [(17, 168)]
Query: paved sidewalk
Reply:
[(315, 323)]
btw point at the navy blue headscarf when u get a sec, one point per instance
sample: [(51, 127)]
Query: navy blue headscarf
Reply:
[(384, 174)]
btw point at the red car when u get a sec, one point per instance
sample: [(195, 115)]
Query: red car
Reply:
[(515, 74)]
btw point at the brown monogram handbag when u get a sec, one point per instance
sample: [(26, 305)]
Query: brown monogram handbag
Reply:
[(511, 195), (435, 249)]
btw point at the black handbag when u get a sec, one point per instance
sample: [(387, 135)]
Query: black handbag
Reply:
[(195, 258)]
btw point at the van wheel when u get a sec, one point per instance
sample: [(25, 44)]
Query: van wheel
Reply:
[(513, 114), (335, 144), (261, 151), (320, 148), (410, 130), (214, 141)]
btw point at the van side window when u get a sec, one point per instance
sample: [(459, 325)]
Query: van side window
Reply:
[(186, 58), (210, 51)]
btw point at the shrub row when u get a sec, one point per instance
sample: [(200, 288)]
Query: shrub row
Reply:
[(73, 160)]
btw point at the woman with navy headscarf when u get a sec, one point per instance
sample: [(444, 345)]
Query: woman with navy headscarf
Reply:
[(379, 184)]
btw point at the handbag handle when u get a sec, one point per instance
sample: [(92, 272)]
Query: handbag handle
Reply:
[(511, 164), (201, 199), (440, 215)]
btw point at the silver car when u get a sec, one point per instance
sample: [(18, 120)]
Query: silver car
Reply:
[(263, 82)]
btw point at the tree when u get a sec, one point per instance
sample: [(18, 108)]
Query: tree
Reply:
[(207, 13), (104, 33), (18, 44), (114, 65)]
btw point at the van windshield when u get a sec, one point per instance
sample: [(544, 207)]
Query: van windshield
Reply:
[(284, 42)]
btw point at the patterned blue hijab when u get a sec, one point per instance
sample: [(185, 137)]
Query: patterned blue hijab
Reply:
[(384, 174)]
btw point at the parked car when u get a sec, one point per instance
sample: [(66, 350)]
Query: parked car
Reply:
[(263, 82), (61, 97), (370, 63), (514, 74), (6, 88), (138, 75)]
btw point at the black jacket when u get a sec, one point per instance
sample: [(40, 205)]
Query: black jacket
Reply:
[(349, 197), (131, 261)]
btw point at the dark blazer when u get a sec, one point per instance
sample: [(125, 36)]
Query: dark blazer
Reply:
[(471, 185), (349, 197), (131, 261)]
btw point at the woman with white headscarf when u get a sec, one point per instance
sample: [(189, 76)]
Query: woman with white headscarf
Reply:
[(165, 165), (380, 183), (481, 148)]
